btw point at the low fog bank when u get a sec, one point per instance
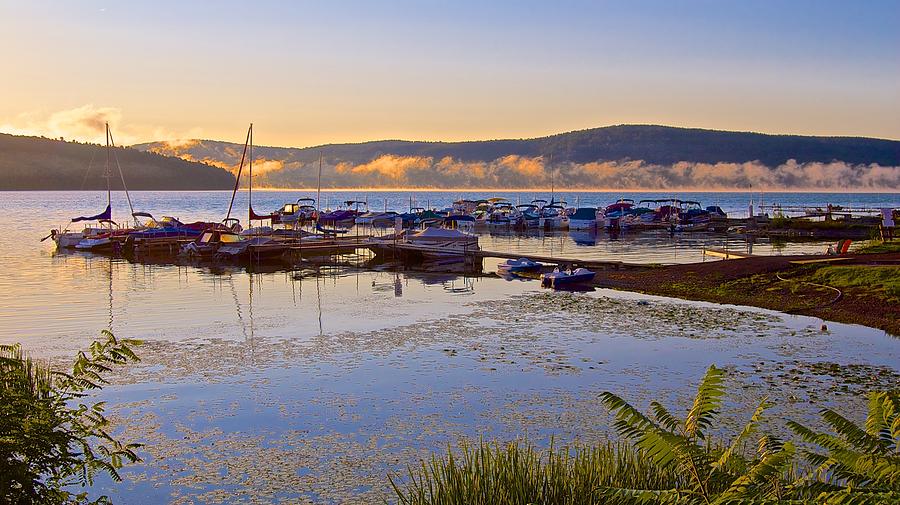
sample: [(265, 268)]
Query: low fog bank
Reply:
[(518, 172)]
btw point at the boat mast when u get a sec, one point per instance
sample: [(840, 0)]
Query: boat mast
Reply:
[(250, 186), (319, 184), (108, 191), (112, 142), (551, 178), (237, 180)]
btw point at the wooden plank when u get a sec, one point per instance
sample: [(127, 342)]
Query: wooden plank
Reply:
[(821, 260), (722, 253)]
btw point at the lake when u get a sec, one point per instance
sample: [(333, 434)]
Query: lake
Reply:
[(313, 384)]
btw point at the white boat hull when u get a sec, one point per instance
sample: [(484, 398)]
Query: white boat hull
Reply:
[(93, 244), (68, 240)]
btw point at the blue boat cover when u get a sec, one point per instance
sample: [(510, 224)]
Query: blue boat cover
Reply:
[(106, 214)]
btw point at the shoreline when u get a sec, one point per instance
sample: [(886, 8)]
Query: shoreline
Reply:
[(768, 282)]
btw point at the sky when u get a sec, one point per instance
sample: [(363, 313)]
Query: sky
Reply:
[(309, 73)]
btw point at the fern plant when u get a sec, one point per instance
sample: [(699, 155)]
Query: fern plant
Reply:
[(860, 464), (714, 472)]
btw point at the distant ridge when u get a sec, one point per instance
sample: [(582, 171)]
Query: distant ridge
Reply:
[(614, 157), (650, 143), (38, 163)]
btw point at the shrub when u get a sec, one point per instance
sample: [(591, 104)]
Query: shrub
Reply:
[(49, 437)]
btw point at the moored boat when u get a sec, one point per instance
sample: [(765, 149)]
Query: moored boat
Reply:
[(584, 218), (558, 278), (518, 266)]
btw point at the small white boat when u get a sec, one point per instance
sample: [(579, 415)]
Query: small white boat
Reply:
[(95, 243), (519, 265)]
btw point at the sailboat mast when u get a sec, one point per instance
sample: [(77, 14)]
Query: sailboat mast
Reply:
[(550, 164), (250, 186), (108, 191), (237, 180), (319, 184), (112, 142)]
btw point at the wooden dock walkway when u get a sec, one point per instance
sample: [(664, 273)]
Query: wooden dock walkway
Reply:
[(725, 254)]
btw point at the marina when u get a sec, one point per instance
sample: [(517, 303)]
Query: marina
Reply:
[(341, 375)]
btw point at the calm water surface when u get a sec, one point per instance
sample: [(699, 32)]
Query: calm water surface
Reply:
[(312, 385)]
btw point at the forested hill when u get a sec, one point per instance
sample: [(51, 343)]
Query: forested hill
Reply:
[(37, 163), (653, 144)]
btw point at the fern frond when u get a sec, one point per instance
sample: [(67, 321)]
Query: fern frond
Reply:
[(757, 481), (662, 415), (856, 436), (706, 403), (740, 439), (616, 496)]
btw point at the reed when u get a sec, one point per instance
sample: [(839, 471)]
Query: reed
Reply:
[(493, 473)]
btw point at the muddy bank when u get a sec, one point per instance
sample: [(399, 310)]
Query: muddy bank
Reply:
[(771, 282)]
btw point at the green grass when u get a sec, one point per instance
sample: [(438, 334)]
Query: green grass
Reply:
[(518, 473), (880, 280), (877, 246), (784, 223)]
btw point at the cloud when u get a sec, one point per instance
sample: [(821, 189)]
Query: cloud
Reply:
[(87, 124), (84, 121)]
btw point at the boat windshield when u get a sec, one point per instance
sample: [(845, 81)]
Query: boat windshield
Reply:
[(229, 238)]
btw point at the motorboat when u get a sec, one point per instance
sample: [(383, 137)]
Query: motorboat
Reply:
[(614, 213), (385, 219), (558, 278), (255, 248), (209, 242), (531, 215), (465, 224), (441, 242), (293, 214), (104, 240), (553, 217), (503, 215), (584, 218)]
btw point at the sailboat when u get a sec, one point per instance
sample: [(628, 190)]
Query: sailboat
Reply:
[(229, 244), (101, 236)]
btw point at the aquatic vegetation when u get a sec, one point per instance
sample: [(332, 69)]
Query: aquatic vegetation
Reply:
[(49, 438), (672, 460)]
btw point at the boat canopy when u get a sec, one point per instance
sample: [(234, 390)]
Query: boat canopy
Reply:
[(106, 214), (585, 213)]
